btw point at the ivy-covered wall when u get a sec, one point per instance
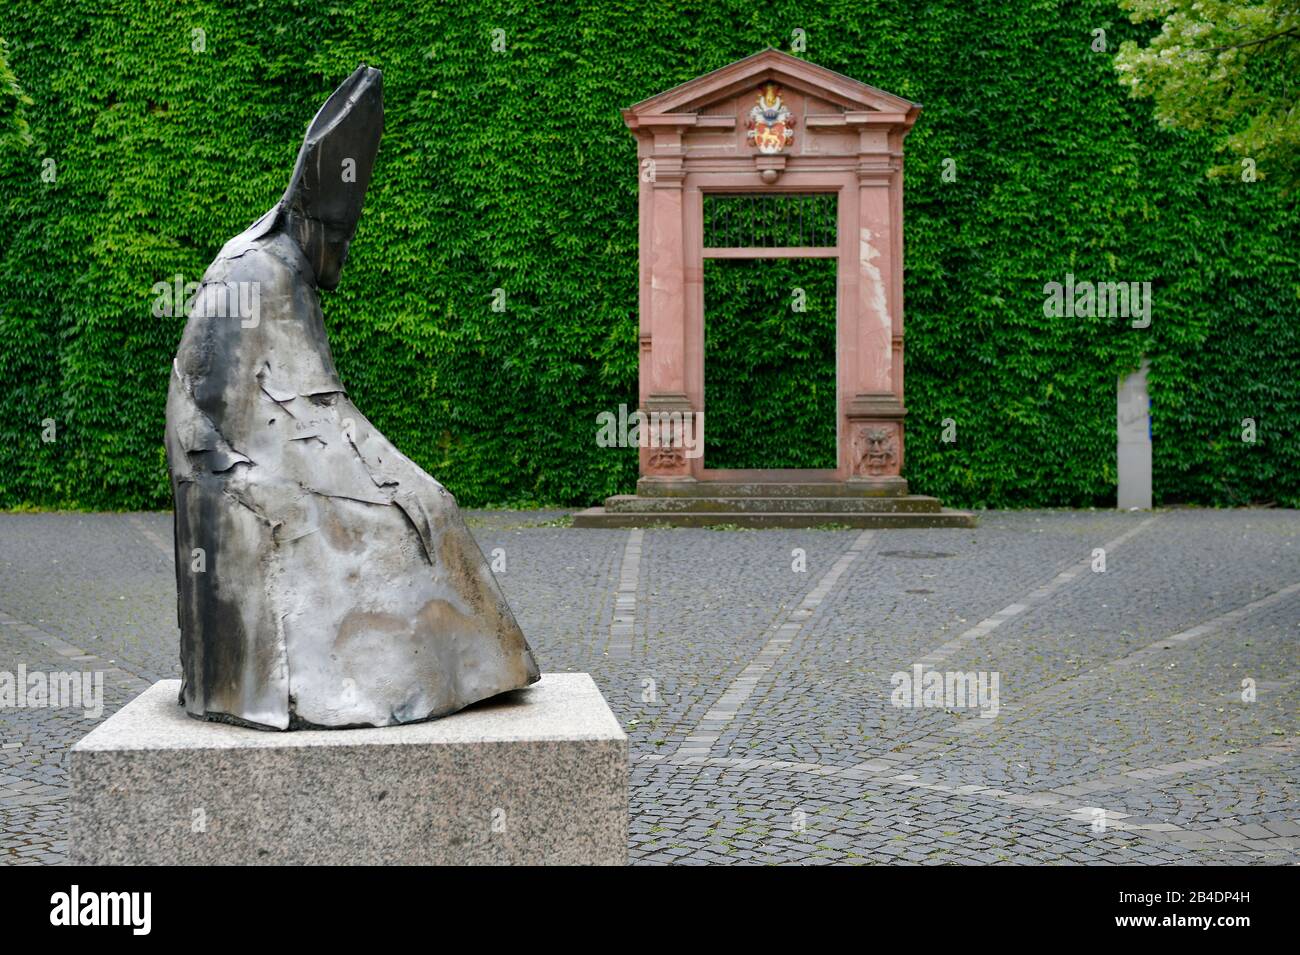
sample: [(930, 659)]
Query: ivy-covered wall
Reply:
[(769, 363), (160, 128)]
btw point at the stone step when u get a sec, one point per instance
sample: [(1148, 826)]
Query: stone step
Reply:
[(911, 504), (733, 489), (600, 517)]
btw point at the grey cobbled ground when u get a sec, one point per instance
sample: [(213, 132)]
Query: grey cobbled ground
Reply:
[(1146, 713)]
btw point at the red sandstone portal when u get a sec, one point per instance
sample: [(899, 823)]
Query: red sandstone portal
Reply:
[(772, 124)]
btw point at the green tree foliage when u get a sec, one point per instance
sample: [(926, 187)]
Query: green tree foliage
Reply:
[(513, 170), (1229, 67), (14, 130)]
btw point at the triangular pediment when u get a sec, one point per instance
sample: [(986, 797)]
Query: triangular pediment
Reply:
[(770, 66)]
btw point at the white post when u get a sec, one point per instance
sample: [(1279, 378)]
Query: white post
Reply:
[(1133, 432)]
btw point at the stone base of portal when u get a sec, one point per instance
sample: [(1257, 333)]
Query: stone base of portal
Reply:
[(882, 503), (537, 776)]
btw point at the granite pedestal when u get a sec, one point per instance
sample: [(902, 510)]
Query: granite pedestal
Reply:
[(537, 776)]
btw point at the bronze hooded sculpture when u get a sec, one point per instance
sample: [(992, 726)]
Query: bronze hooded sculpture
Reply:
[(323, 578)]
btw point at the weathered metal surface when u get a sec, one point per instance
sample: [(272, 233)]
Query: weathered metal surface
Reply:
[(323, 578)]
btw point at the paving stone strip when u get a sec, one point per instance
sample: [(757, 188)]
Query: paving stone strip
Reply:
[(1255, 756), (701, 739), (1213, 625), (1063, 802), (1263, 687), (114, 669), (167, 547), (972, 724), (1056, 693), (622, 626), (1032, 599)]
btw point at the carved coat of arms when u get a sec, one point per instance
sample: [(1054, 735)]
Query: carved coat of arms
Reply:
[(771, 127)]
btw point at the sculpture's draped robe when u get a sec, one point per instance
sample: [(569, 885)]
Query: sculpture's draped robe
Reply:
[(323, 578)]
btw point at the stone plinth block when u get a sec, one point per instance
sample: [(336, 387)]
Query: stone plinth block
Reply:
[(538, 776)]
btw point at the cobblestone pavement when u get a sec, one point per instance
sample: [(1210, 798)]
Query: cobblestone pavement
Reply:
[(1144, 714)]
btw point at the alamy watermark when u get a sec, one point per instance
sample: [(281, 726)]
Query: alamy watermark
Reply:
[(655, 429), (75, 907), (1098, 300), (82, 690), (952, 690), (241, 300)]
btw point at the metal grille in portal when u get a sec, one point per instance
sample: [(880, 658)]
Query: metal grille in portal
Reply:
[(770, 221)]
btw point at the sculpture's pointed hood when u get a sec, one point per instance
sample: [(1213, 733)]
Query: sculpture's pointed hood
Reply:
[(322, 205)]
